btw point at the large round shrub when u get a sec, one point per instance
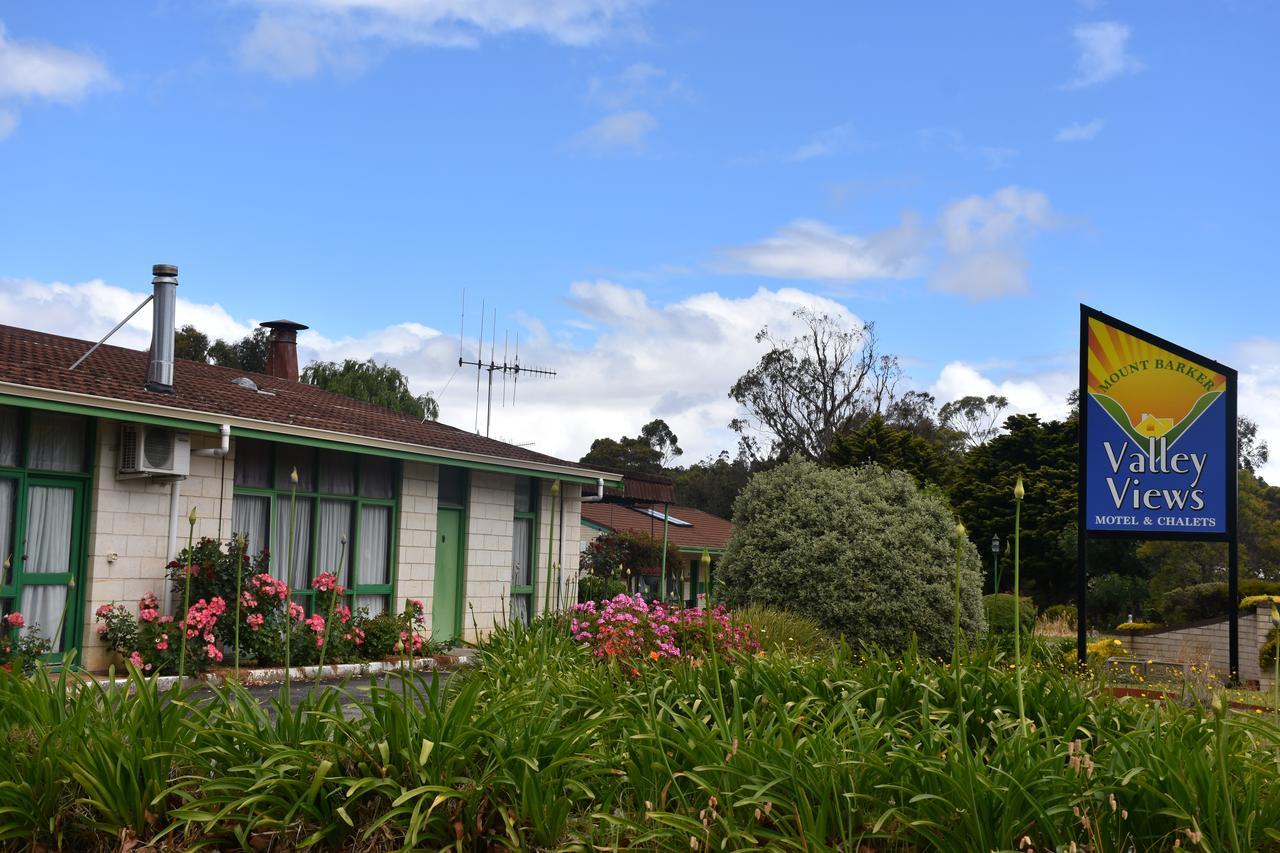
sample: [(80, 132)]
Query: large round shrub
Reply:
[(862, 551)]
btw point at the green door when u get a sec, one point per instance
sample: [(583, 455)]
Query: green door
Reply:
[(446, 603)]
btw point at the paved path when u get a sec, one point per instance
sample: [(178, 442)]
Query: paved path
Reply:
[(350, 692)]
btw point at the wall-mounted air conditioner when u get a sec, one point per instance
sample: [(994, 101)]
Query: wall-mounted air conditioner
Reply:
[(153, 451)]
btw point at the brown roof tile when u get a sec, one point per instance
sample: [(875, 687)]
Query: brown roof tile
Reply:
[(707, 531), (40, 360)]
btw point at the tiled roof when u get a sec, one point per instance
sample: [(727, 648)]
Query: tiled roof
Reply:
[(40, 360), (707, 530)]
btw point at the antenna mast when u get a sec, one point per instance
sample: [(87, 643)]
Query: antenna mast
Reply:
[(494, 366)]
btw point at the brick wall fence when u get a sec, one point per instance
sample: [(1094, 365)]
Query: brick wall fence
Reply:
[(1206, 643)]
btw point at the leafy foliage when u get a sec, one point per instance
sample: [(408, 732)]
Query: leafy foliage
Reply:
[(1207, 600), (621, 553), (1111, 598), (539, 746), (1044, 454), (248, 354), (863, 552), (370, 382), (976, 419), (651, 451), (776, 629), (999, 612), (713, 484), (893, 447)]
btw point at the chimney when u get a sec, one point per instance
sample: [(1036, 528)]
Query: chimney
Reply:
[(164, 283), (282, 356)]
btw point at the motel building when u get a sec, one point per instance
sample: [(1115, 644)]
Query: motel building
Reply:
[(101, 464)]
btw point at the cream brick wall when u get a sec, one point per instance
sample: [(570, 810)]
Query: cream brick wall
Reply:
[(1209, 644), (490, 524), (416, 554), (129, 525)]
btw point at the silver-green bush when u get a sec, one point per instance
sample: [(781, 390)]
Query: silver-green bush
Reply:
[(863, 551)]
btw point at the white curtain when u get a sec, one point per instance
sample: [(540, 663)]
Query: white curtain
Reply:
[(8, 499), (376, 475), (335, 524), (375, 527), (520, 608), (57, 442), (42, 607), (49, 517), (298, 564), (249, 515), (521, 540), (9, 437), (253, 463), (375, 604), (337, 472)]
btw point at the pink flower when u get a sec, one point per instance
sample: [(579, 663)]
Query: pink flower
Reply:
[(15, 620), (162, 644), (103, 612), (213, 652), (296, 613), (316, 623), (247, 599), (417, 605), (103, 629), (255, 620), (136, 660), (148, 615), (325, 582), (165, 620)]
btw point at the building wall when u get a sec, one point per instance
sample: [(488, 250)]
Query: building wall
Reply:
[(129, 519), (1208, 644), (129, 526), (416, 554)]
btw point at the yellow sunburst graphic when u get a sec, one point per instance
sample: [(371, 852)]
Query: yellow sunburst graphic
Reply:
[(1156, 389)]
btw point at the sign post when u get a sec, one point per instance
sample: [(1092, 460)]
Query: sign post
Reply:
[(1158, 453)]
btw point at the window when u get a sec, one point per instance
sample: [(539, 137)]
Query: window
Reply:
[(342, 517), (524, 549), (453, 486), (658, 514), (44, 477)]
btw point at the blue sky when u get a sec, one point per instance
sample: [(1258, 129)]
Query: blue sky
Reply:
[(637, 186)]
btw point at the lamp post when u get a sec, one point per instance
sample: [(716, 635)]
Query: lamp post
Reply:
[(995, 562)]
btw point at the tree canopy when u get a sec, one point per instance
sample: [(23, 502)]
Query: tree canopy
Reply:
[(650, 452), (804, 390), (380, 384)]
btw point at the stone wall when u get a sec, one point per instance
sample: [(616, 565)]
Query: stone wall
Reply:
[(129, 527), (416, 554), (1208, 644)]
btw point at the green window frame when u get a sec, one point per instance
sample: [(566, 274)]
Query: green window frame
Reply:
[(528, 592), (22, 477), (314, 497)]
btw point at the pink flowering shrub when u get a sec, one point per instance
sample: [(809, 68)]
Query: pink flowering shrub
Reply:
[(630, 629), (152, 641), (20, 650)]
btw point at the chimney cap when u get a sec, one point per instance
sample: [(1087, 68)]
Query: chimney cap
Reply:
[(164, 269), (283, 326)]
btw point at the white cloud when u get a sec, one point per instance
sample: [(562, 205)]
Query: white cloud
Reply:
[(833, 140), (1077, 132), (994, 157), (807, 249), (1043, 394), (297, 38), (637, 83), (983, 237), (1258, 361), (627, 131), (8, 123), (89, 309), (978, 243), (636, 368), (1104, 53), (30, 69)]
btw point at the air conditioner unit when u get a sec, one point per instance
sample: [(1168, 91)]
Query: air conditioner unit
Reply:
[(153, 451)]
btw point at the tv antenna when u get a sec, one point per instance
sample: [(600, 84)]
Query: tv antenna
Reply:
[(512, 368)]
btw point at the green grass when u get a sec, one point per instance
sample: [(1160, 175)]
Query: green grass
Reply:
[(538, 746)]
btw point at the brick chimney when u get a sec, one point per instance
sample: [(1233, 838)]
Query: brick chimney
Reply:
[(282, 357)]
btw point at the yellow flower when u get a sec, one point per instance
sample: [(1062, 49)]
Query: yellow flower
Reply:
[(293, 475), (960, 531), (191, 517), (1018, 491)]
